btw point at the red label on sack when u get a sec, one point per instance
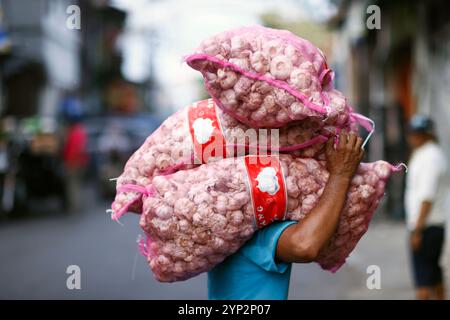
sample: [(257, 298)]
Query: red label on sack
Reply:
[(206, 132), (267, 188)]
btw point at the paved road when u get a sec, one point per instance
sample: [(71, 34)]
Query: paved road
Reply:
[(35, 252)]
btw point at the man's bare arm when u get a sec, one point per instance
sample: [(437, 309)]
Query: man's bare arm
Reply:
[(303, 241), (425, 209), (416, 236)]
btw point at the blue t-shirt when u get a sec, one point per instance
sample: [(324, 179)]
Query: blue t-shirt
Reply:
[(252, 272)]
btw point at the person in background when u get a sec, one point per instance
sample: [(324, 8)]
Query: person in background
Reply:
[(74, 155), (424, 203)]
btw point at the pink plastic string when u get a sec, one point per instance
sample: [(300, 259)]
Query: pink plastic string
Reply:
[(366, 123), (399, 167), (150, 191), (131, 188), (178, 166), (117, 215)]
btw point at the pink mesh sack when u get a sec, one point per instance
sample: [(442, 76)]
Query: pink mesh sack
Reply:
[(201, 133), (195, 218), (266, 77)]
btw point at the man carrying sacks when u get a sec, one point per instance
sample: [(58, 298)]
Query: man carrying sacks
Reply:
[(212, 199)]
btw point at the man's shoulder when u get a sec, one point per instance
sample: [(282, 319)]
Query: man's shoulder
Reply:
[(433, 153)]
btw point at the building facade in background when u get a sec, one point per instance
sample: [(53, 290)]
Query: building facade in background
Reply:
[(393, 72), (44, 59)]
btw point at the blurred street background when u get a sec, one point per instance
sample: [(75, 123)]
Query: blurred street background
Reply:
[(98, 89)]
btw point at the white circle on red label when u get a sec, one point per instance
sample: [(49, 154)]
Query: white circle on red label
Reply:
[(268, 181), (203, 130)]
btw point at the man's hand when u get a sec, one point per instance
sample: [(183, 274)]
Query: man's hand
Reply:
[(344, 159), (303, 241)]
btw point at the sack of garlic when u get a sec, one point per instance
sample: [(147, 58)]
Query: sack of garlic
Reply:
[(266, 77), (202, 132), (194, 219)]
